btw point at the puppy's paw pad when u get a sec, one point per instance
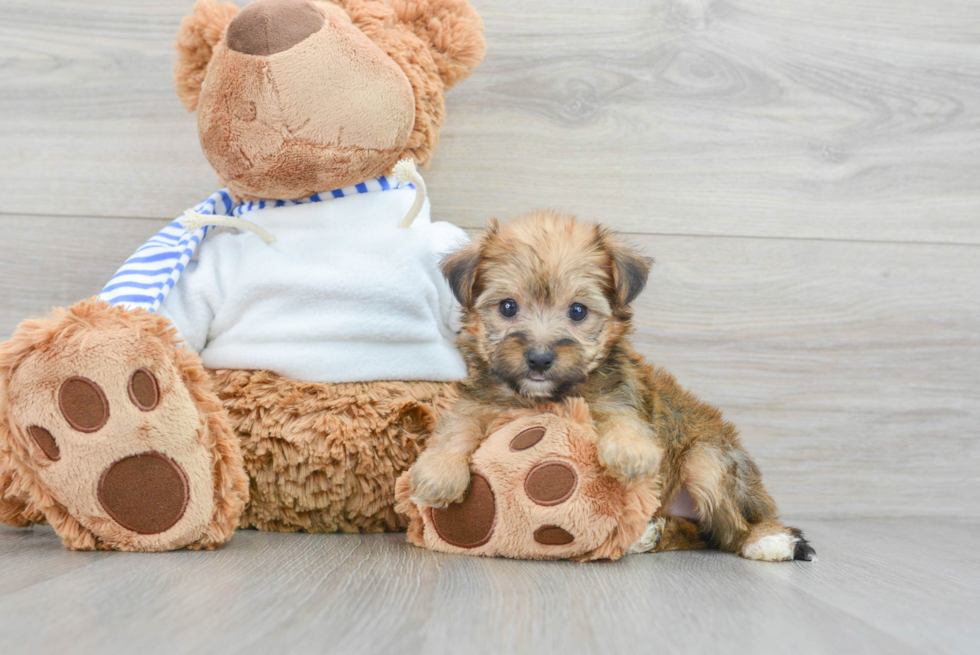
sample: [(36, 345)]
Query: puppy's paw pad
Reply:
[(803, 551), (470, 522), (771, 548)]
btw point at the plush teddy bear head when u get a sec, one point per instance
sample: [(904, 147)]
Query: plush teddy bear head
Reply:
[(296, 97)]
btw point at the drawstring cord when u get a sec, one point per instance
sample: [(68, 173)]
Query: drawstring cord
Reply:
[(405, 171), (191, 220)]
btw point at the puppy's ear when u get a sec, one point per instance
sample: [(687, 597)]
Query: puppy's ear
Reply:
[(630, 270), (459, 268), (452, 29), (199, 33)]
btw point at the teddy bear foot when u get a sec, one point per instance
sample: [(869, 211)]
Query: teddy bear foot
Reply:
[(114, 435), (537, 491), (15, 510)]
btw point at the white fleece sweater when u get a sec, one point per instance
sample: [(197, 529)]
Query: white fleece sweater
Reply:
[(343, 295)]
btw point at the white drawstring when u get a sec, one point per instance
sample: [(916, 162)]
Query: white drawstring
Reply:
[(405, 171), (192, 220)]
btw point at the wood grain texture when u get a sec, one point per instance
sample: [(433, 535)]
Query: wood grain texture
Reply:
[(845, 119), (848, 119), (55, 262), (851, 369), (878, 587)]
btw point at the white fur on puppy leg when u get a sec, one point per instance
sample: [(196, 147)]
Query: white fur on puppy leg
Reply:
[(436, 480), (650, 538), (771, 548)]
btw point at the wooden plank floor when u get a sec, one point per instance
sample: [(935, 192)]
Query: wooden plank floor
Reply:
[(879, 586)]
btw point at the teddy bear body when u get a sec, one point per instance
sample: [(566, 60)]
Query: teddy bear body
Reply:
[(327, 354), (323, 303)]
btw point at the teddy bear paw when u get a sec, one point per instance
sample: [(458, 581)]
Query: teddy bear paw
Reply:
[(537, 491), (120, 444)]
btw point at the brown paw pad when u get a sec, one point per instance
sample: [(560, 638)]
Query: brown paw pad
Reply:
[(116, 434), (469, 523), (145, 493), (552, 535), (527, 439), (45, 441), (144, 391), (550, 483), (83, 404)]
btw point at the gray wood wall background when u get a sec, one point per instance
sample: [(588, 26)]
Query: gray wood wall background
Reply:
[(805, 172)]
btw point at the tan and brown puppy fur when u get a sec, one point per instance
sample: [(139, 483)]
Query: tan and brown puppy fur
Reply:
[(546, 309)]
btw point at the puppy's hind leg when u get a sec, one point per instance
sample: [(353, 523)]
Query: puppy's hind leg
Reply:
[(665, 533), (736, 512)]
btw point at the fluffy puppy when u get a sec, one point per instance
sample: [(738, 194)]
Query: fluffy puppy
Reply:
[(546, 310)]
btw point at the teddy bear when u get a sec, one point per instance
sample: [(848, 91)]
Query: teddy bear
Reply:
[(274, 357)]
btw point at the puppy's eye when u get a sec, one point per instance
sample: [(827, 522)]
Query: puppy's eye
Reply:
[(577, 312), (508, 308)]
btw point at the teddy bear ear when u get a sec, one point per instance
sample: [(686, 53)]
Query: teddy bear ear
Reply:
[(199, 33), (451, 28)]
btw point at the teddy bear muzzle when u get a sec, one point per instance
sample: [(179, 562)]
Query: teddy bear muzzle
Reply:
[(297, 100)]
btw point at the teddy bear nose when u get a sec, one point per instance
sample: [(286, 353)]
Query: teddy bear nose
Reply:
[(265, 28)]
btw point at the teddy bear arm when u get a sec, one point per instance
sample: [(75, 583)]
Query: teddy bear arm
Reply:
[(190, 305)]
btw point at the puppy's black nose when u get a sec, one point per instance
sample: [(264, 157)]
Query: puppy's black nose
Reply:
[(540, 360)]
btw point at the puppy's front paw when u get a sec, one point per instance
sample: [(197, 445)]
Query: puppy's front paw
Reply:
[(437, 481), (629, 459)]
